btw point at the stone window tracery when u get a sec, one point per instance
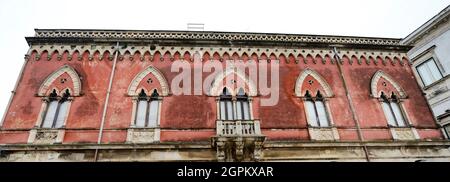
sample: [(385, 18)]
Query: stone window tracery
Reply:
[(147, 112), (234, 107), (56, 110), (392, 110), (316, 111)]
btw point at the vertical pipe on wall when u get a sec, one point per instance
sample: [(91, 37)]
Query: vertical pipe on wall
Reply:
[(100, 133), (352, 108), (13, 92)]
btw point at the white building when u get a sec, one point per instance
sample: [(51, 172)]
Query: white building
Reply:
[(430, 59)]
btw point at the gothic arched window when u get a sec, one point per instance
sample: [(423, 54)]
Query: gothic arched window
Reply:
[(242, 105), (147, 111), (392, 110), (57, 109), (316, 110), (226, 105)]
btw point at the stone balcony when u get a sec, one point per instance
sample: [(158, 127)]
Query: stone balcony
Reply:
[(238, 128), (238, 140)]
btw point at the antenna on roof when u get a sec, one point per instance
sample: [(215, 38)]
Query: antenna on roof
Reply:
[(195, 26)]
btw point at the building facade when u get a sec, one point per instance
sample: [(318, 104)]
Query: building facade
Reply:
[(430, 60), (111, 95)]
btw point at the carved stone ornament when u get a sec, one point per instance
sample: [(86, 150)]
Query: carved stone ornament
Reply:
[(143, 135)]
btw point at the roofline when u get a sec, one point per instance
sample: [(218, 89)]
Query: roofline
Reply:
[(417, 34), (187, 31), (179, 37)]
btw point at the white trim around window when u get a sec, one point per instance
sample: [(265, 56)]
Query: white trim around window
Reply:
[(429, 72)]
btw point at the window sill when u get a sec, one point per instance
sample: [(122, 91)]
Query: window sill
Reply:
[(49, 129), (321, 127), (143, 128), (437, 82), (234, 120), (399, 127)]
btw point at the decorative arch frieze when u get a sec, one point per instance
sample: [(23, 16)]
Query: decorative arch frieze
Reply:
[(219, 53)]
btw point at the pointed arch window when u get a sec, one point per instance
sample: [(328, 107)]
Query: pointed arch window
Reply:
[(392, 110), (147, 111), (226, 105), (242, 105), (316, 110), (234, 107), (56, 110)]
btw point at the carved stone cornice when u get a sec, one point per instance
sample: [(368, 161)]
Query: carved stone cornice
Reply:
[(428, 27), (208, 37)]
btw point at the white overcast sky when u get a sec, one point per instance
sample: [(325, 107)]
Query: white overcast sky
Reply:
[(373, 18)]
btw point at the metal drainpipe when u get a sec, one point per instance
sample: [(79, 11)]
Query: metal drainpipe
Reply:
[(100, 134), (13, 92), (352, 108)]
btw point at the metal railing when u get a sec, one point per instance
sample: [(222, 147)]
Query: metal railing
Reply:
[(238, 128)]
